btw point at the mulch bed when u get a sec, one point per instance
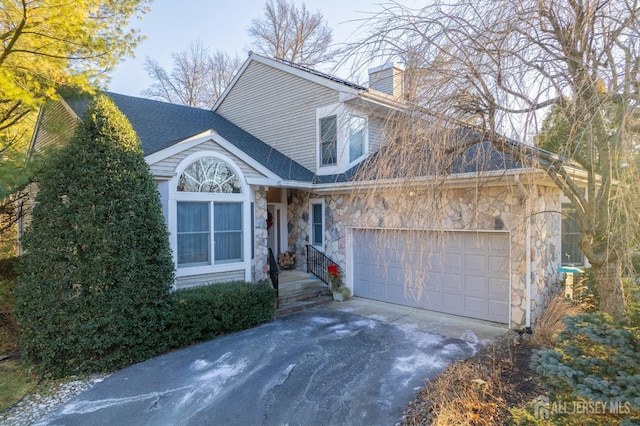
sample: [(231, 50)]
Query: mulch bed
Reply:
[(481, 389)]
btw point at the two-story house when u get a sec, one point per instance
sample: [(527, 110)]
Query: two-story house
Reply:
[(273, 166)]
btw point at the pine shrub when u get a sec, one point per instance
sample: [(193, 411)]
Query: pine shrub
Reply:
[(595, 359), (93, 292)]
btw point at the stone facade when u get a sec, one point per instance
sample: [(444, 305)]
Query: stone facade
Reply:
[(503, 207), (259, 263)]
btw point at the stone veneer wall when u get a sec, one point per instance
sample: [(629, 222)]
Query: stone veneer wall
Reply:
[(260, 264), (488, 208)]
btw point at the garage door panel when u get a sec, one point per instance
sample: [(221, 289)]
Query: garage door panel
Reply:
[(497, 243), (498, 286), (475, 264), (476, 305), (453, 261), (461, 273), (454, 282)]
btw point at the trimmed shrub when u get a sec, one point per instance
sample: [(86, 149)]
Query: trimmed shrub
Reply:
[(94, 286), (204, 312)]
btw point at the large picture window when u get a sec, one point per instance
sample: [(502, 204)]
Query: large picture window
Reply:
[(203, 225), (209, 211)]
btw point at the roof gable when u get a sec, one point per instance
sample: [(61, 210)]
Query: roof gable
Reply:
[(309, 74)]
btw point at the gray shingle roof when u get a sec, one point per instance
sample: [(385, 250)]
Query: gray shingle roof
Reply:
[(160, 125)]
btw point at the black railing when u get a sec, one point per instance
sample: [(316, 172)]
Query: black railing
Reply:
[(318, 264), (273, 272)]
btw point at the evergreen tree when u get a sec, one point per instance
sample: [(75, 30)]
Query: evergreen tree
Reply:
[(94, 288)]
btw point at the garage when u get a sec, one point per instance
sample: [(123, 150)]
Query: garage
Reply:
[(458, 272)]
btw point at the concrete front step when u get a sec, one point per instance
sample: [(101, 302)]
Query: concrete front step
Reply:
[(301, 286), (292, 307), (302, 294)]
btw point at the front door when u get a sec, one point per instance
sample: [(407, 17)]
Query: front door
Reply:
[(275, 217)]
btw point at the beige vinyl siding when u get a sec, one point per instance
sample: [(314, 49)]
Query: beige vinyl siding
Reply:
[(200, 280), (376, 133), (279, 108), (56, 127), (168, 165)]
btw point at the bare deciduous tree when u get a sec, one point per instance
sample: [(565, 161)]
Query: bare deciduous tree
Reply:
[(497, 67), (197, 79), (296, 35)]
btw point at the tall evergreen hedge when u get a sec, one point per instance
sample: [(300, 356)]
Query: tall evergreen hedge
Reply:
[(93, 292)]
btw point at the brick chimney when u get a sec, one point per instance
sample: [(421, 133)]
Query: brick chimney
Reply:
[(388, 78)]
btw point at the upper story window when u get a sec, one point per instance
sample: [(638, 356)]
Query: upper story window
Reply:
[(328, 140), (209, 174), (357, 134), (342, 138)]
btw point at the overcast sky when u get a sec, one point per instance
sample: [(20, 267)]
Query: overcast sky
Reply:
[(220, 24)]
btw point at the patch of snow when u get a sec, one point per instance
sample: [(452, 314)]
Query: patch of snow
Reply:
[(199, 364), (322, 320), (365, 323), (83, 407), (224, 372), (470, 336), (347, 332), (285, 374), (409, 364), (378, 317), (337, 327), (422, 339)]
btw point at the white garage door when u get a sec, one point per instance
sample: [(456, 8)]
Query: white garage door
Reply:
[(460, 273)]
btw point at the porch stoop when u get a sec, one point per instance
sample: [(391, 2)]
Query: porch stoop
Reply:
[(300, 291)]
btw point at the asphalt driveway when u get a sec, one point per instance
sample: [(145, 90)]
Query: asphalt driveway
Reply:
[(318, 367)]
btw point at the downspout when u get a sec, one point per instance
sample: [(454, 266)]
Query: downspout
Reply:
[(525, 193)]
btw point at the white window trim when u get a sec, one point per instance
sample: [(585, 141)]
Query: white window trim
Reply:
[(312, 202), (327, 111), (365, 147), (343, 114), (172, 219)]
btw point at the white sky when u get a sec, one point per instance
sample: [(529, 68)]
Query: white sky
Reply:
[(220, 24)]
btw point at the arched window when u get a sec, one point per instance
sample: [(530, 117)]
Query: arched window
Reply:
[(209, 174), (210, 224)]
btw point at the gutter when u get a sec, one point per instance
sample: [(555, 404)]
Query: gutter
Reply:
[(525, 193)]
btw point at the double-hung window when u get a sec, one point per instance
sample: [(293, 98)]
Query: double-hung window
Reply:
[(328, 140), (357, 137), (571, 253), (210, 221), (316, 222)]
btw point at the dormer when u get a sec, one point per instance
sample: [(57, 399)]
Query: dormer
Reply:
[(342, 138)]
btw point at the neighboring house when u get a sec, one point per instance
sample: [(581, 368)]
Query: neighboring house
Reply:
[(273, 166)]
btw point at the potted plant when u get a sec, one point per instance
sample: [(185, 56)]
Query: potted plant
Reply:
[(339, 291)]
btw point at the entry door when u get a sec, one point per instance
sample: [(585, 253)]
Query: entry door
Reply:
[(275, 226)]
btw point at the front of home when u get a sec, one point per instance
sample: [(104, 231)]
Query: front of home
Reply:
[(272, 167)]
